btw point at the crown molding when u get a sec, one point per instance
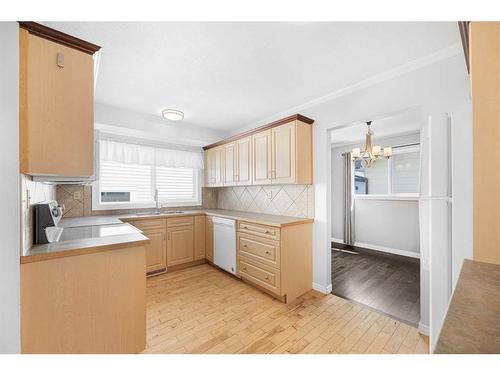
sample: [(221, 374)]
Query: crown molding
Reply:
[(56, 36), (398, 71)]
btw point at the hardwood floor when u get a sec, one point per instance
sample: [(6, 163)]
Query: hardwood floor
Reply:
[(390, 284), (204, 310)]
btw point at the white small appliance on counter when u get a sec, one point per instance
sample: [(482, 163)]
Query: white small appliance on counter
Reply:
[(225, 244)]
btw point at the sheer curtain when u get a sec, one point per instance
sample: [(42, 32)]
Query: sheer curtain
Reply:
[(132, 153), (348, 200)]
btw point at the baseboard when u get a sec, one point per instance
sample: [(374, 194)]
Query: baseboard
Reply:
[(384, 249), (423, 329), (322, 289), (389, 250)]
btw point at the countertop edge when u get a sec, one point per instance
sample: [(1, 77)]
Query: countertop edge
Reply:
[(84, 250)]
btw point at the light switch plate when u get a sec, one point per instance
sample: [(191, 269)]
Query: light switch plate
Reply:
[(77, 195)]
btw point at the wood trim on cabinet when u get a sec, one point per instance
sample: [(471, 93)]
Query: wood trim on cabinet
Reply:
[(59, 37), (463, 26), (273, 124)]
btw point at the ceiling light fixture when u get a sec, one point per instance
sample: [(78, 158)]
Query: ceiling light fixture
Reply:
[(172, 114), (371, 153)]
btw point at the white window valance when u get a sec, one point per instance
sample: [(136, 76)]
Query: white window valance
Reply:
[(132, 153)]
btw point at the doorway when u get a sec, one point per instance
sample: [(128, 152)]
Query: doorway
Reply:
[(375, 187)]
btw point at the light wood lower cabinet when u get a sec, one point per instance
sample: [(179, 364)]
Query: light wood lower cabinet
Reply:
[(156, 250), (93, 303), (275, 259), (199, 237), (180, 244), (209, 239)]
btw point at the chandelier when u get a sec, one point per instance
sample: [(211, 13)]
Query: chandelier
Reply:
[(370, 154)]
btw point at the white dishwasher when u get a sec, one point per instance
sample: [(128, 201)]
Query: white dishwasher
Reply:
[(225, 244)]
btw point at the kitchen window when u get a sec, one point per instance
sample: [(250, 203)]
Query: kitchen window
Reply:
[(129, 173), (393, 178)]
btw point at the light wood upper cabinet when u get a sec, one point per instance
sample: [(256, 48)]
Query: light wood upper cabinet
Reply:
[(199, 237), (244, 161), (283, 154), (180, 247), (261, 162), (277, 153), (209, 239), (56, 108), (230, 164), (214, 167), (209, 167)]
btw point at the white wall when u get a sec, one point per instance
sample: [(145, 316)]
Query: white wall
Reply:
[(135, 124), (390, 226), (435, 86), (396, 228), (9, 189)]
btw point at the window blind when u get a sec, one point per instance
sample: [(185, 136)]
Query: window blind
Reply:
[(123, 177), (176, 184)]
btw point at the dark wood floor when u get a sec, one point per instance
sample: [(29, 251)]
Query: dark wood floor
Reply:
[(387, 283)]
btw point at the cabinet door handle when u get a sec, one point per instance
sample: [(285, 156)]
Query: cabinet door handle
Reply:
[(267, 278), (245, 246), (268, 252), (268, 232), (60, 60), (244, 268), (168, 236)]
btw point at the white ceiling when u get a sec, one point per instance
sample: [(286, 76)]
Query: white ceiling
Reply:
[(407, 122), (228, 75)]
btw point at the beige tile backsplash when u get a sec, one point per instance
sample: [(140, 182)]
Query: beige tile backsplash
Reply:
[(32, 193), (80, 204), (287, 200)]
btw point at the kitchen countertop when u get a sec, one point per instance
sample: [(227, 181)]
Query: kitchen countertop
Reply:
[(472, 324), (83, 235), (272, 220), (87, 239)]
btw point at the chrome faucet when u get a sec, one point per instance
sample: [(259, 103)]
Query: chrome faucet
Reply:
[(157, 202)]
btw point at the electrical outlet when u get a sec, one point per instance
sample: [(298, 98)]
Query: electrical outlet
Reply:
[(269, 194), (77, 195)]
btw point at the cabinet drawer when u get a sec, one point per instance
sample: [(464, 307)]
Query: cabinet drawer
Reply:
[(264, 276), (147, 224), (179, 221), (259, 230), (259, 249)]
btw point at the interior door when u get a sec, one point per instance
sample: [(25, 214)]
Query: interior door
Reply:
[(261, 166), (180, 247), (230, 164), (244, 161), (283, 154)]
